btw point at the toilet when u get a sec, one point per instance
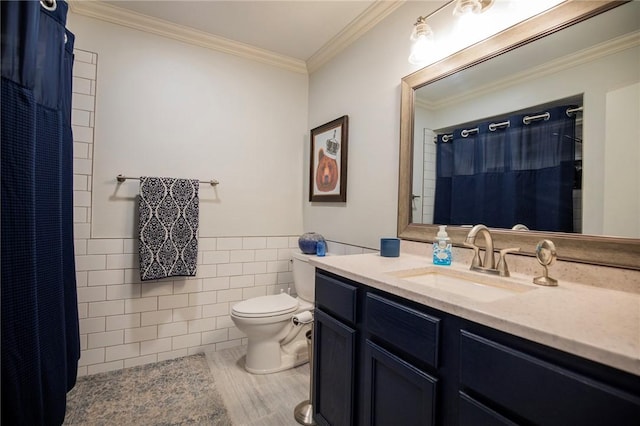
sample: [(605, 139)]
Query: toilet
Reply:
[(277, 341)]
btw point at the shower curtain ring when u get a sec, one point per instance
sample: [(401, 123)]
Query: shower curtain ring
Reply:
[(50, 5)]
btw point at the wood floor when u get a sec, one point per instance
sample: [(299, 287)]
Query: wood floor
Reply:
[(257, 400)]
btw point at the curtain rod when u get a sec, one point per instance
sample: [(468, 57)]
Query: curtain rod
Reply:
[(494, 126), (121, 178)]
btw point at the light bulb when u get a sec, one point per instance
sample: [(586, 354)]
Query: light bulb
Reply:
[(420, 50), (422, 37)]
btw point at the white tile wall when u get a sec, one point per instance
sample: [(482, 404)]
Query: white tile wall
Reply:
[(125, 322), (429, 183)]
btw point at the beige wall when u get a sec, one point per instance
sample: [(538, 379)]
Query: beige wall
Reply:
[(364, 82), (166, 108)]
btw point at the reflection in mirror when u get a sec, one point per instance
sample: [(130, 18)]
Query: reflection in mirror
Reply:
[(519, 168), (593, 64)]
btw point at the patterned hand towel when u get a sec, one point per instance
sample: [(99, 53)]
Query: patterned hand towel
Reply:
[(168, 229)]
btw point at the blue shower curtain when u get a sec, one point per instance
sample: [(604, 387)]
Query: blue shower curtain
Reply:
[(504, 175), (40, 337)]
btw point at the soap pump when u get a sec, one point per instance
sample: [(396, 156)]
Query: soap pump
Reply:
[(442, 247)]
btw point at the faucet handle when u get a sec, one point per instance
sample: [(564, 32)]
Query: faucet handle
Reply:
[(476, 262), (502, 267)]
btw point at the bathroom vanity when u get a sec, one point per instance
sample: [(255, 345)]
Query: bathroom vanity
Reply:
[(397, 342)]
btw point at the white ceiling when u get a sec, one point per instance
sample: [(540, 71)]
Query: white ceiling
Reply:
[(294, 28)]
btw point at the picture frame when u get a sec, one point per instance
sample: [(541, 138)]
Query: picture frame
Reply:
[(328, 163)]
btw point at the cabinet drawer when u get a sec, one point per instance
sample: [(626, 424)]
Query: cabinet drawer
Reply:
[(406, 329), (538, 391), (336, 297)]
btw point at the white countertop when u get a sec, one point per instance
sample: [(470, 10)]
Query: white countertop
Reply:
[(599, 324)]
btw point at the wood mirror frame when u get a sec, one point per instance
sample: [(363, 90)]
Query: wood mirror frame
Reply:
[(599, 250)]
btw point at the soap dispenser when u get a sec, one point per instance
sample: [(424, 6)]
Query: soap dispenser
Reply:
[(442, 247)]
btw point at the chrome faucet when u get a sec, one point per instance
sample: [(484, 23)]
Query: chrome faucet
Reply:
[(489, 264)]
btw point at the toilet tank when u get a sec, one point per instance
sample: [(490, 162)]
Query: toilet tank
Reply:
[(304, 276)]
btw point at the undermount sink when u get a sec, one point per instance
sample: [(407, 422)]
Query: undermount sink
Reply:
[(476, 286)]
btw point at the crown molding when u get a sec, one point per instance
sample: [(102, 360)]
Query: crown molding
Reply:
[(598, 51), (375, 13), (138, 21)]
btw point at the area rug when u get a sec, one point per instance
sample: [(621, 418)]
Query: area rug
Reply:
[(175, 392)]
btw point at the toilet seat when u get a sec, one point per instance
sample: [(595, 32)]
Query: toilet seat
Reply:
[(265, 306)]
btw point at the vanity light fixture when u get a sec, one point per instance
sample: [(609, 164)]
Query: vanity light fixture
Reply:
[(467, 7), (422, 37)]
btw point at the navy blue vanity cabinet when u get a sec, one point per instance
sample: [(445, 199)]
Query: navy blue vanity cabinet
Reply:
[(400, 344), (335, 333), (384, 360)]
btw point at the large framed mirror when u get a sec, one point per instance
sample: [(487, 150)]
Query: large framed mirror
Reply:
[(574, 38)]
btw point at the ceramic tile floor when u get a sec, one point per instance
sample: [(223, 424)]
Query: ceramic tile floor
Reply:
[(257, 400)]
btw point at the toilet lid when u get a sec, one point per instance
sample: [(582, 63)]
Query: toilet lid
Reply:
[(276, 304)]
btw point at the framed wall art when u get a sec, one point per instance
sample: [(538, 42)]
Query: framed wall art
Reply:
[(328, 174)]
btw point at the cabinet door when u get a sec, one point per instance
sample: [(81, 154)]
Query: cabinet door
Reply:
[(333, 371), (396, 392)]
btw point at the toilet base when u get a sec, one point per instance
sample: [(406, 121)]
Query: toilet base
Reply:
[(271, 357), (288, 361)]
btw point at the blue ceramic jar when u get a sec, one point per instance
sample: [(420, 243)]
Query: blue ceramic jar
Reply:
[(308, 241)]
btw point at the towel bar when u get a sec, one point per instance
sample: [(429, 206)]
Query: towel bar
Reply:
[(121, 178)]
